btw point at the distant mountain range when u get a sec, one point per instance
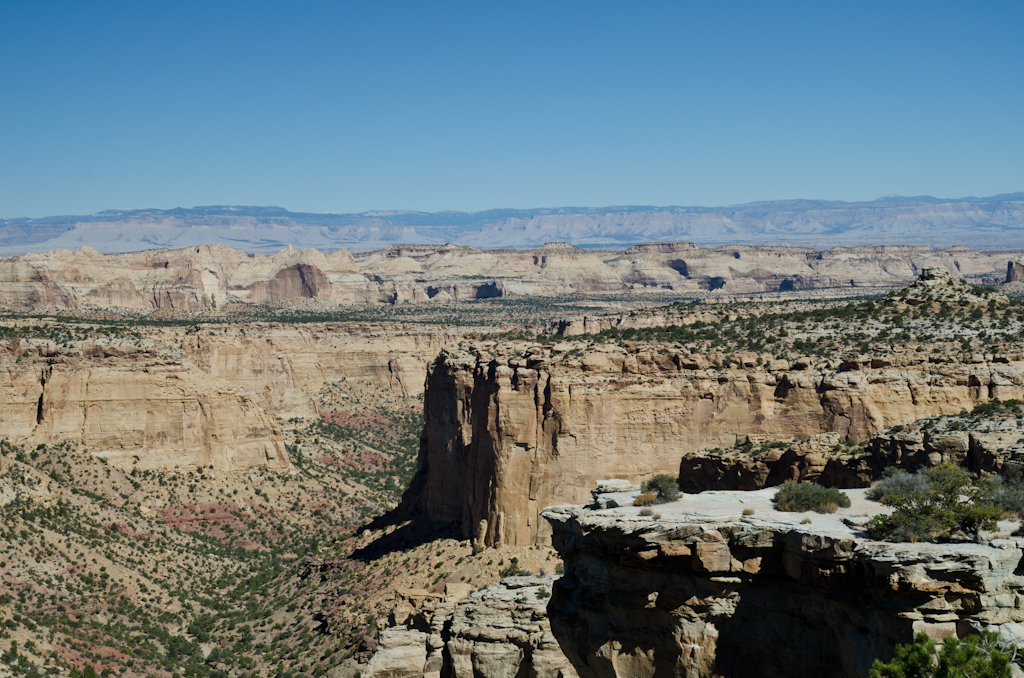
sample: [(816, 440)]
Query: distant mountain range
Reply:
[(990, 223)]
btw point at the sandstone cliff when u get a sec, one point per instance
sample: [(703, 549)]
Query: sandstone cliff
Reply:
[(513, 427), (210, 276), (168, 397), (983, 446), (757, 596)]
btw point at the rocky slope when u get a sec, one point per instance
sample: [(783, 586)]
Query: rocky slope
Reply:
[(988, 222), (209, 277), (497, 631), (716, 593)]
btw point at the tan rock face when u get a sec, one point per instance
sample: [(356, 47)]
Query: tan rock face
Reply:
[(511, 428), (195, 398), (136, 408), (703, 597), (498, 631), (209, 276)]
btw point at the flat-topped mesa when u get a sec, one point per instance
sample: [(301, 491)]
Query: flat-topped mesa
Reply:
[(512, 427), (662, 247), (209, 276), (720, 593)]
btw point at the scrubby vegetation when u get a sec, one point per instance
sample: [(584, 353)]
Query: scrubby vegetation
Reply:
[(971, 318), (943, 501), (127, 572), (799, 497), (664, 487)]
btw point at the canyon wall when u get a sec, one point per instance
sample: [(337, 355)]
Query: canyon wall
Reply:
[(514, 427), (210, 276), (696, 597), (206, 395), (983, 446)]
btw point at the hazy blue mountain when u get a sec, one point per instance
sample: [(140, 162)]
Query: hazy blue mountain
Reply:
[(995, 222)]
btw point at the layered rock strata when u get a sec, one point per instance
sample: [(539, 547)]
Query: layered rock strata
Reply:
[(199, 396), (982, 446), (511, 428), (761, 597), (210, 276), (498, 631)]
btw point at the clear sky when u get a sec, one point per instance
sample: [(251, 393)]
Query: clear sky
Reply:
[(352, 106)]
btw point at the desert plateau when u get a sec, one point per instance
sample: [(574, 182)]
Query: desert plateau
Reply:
[(306, 464), (511, 340)]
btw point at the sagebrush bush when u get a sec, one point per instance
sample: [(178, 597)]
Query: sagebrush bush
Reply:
[(896, 480), (647, 512), (645, 499), (798, 497), (664, 486), (1007, 490), (954, 502)]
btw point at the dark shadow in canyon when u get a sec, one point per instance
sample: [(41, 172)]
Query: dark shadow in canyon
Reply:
[(413, 531)]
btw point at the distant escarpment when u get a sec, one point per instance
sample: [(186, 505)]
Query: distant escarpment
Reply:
[(990, 223), (695, 596), (513, 427), (209, 276)]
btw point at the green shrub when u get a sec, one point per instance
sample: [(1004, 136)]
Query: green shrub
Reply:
[(664, 486), (511, 570), (977, 657), (952, 502), (800, 497)]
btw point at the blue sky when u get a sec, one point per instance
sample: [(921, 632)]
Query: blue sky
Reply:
[(346, 106)]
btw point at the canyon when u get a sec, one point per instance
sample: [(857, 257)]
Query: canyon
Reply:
[(238, 409)]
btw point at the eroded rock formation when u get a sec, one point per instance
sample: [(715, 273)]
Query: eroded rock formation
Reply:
[(209, 276), (513, 427), (750, 597), (498, 631)]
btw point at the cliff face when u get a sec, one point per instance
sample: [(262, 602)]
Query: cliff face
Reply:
[(511, 428), (983, 446), (209, 276), (136, 408), (194, 397), (693, 596)]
